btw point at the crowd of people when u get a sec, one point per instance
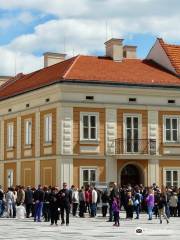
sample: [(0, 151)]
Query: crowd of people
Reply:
[(51, 203)]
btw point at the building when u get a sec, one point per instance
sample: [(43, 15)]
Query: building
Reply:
[(4, 79), (94, 119)]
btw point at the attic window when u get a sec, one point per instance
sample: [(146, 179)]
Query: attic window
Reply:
[(27, 105), (170, 101), (89, 97), (9, 110), (132, 99), (47, 99)]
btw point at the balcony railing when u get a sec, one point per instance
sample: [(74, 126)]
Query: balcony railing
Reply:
[(135, 146)]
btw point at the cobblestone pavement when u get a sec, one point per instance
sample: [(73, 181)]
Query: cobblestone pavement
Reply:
[(89, 229)]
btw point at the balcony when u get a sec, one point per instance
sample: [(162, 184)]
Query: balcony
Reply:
[(135, 146)]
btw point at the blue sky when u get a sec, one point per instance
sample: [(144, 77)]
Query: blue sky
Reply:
[(28, 28)]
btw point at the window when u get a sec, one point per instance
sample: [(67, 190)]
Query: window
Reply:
[(132, 133), (89, 125), (28, 132), (171, 129), (171, 178), (10, 177), (132, 99), (48, 128), (88, 176), (170, 101), (10, 135), (89, 97)]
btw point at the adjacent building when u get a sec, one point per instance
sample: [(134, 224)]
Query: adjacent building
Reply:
[(91, 119)]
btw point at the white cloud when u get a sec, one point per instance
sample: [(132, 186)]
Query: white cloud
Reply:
[(15, 62), (81, 25)]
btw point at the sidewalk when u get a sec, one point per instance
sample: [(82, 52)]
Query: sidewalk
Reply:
[(90, 228)]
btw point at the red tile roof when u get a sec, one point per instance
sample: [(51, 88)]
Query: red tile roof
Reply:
[(34, 80), (93, 69), (173, 53)]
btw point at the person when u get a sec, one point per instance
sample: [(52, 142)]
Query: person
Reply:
[(105, 200), (75, 201), (173, 202), (113, 193), (9, 201), (150, 203), (28, 201), (129, 205), (14, 203), (1, 200), (116, 209), (87, 200), (38, 199), (65, 199), (20, 196), (46, 204), (81, 202), (156, 199), (93, 201), (178, 206), (137, 202), (161, 208), (53, 206)]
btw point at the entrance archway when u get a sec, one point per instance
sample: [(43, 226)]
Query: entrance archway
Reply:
[(131, 174)]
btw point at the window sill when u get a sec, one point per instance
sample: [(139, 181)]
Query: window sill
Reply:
[(94, 142), (47, 144), (171, 144), (10, 149), (28, 146)]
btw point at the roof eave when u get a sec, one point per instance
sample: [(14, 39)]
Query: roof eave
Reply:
[(97, 82), (125, 84)]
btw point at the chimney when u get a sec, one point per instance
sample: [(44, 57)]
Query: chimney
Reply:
[(114, 49), (51, 58), (129, 52)]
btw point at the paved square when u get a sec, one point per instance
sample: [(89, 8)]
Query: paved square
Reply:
[(89, 229)]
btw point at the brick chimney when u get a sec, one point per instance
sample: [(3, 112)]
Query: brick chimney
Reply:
[(114, 49), (129, 52), (51, 58)]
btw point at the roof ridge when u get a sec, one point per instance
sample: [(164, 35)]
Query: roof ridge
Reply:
[(12, 80), (71, 66), (166, 50)]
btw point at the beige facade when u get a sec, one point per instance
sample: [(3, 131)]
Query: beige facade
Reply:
[(68, 157)]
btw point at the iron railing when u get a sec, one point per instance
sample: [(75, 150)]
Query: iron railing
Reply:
[(135, 146)]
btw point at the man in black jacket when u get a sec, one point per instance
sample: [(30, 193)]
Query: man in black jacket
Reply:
[(38, 199), (28, 201), (65, 199)]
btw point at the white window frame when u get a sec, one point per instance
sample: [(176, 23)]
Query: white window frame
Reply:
[(48, 128), (89, 114), (164, 128), (10, 177), (125, 116), (82, 168), (28, 131), (171, 169), (10, 135)]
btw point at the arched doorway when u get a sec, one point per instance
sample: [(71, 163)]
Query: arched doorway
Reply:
[(131, 174)]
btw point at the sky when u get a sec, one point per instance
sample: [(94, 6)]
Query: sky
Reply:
[(29, 28)]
